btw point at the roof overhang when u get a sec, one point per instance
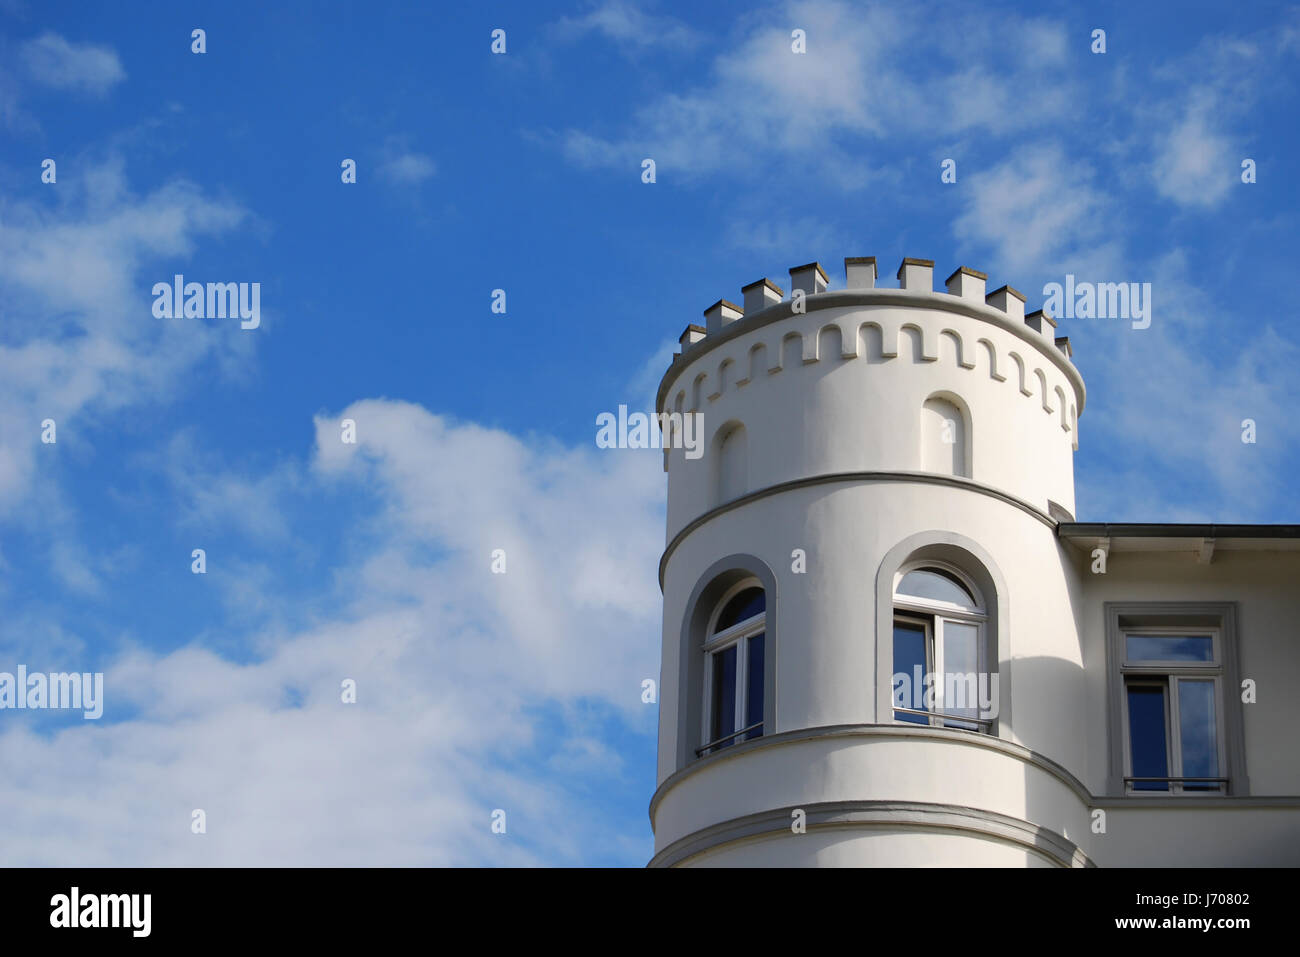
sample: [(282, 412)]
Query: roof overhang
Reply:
[(1203, 539)]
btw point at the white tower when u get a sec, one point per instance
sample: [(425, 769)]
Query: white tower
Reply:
[(881, 476)]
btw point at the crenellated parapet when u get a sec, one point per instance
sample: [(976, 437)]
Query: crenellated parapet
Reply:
[(1033, 359), (915, 276)]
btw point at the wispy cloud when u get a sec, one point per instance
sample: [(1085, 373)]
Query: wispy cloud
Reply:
[(858, 78), (82, 339), (628, 25), (1194, 115), (81, 68), (1037, 211), (1165, 403), (403, 166)]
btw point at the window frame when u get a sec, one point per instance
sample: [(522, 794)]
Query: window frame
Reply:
[(737, 635), (931, 615), (1216, 619), (1168, 674)]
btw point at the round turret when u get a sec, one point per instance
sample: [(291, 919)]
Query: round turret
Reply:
[(859, 481)]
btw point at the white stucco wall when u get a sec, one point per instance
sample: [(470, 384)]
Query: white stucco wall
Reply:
[(833, 466)]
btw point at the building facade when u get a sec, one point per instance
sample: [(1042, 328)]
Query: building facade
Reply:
[(887, 642)]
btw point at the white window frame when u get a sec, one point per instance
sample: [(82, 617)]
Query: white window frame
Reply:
[(738, 635), (931, 614), (1166, 673)]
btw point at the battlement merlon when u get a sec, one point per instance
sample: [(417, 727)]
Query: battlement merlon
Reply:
[(764, 302)]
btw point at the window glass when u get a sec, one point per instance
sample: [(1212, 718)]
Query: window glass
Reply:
[(909, 661), (1199, 731), (724, 693), (961, 662), (1169, 647), (744, 605), (754, 692), (1147, 743), (934, 585)]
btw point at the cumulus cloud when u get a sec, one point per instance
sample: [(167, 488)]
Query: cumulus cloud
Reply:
[(81, 68), (476, 691)]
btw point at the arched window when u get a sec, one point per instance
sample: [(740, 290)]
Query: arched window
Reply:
[(733, 668), (944, 438), (941, 659)]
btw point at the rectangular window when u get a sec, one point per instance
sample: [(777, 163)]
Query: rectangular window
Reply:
[(1146, 648), (1173, 735), (1176, 723)]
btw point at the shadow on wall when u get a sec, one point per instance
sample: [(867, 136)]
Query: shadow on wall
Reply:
[(1050, 718)]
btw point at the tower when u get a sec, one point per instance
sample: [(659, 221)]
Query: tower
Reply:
[(873, 518)]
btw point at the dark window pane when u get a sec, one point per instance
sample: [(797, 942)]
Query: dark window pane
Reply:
[(935, 585), (1147, 742), (1198, 731), (745, 605), (724, 693), (754, 690), (1169, 647), (909, 671)]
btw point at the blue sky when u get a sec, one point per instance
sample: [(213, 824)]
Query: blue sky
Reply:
[(476, 431)]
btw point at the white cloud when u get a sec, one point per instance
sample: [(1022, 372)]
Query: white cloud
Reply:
[(628, 25), (83, 68), (453, 665), (1165, 404), (1201, 108), (858, 78), (213, 495), (1196, 164), (460, 486), (76, 282), (1174, 397), (1037, 212), (407, 168), (645, 383)]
